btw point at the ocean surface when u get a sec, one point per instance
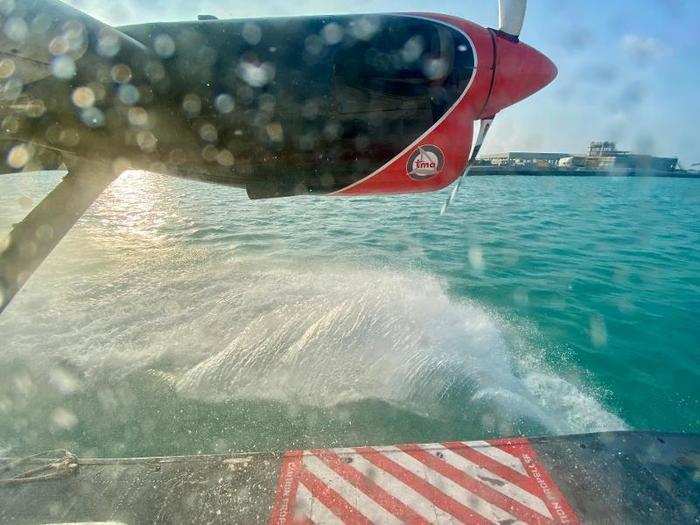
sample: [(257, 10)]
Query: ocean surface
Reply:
[(179, 317)]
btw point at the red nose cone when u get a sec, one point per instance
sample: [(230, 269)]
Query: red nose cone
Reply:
[(520, 72)]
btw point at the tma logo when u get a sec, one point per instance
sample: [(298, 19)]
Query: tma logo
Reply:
[(425, 162)]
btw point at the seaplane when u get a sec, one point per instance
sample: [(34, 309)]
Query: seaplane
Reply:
[(322, 105), (326, 105)]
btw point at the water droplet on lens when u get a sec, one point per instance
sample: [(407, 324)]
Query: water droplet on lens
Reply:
[(224, 103), (35, 108), (120, 165), (364, 28), (63, 67), (7, 67), (412, 49), (209, 153), (275, 131), (69, 137), (332, 33), (599, 334), (10, 124), (208, 132), (192, 104), (164, 46), (18, 156), (476, 258), (146, 141), (121, 73), (129, 94), (11, 89), (224, 157), (520, 297), (16, 29), (435, 68), (155, 71), (256, 75), (108, 44), (58, 45), (314, 44), (251, 33), (83, 97), (92, 117), (64, 419), (7, 6), (45, 232), (64, 381), (138, 116)]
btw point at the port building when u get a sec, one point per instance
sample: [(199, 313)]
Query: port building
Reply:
[(606, 156), (601, 156), (524, 158)]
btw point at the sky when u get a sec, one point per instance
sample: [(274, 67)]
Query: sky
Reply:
[(629, 70)]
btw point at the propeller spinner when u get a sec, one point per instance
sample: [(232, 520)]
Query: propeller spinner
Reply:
[(519, 71)]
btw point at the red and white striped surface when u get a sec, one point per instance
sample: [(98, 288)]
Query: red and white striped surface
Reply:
[(458, 482)]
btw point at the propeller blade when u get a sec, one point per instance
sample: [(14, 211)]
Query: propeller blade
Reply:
[(484, 126), (511, 14)]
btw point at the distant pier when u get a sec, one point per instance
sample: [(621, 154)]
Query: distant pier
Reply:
[(481, 170), (602, 160)]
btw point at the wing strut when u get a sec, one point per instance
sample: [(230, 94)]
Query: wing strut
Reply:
[(484, 126), (32, 240)]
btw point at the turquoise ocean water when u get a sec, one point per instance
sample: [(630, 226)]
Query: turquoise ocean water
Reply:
[(179, 317)]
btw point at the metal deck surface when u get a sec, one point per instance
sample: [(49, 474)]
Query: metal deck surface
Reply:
[(617, 477)]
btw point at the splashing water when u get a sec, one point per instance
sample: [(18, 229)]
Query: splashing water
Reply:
[(179, 318), (330, 335)]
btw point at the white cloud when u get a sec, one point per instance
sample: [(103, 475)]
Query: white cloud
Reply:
[(644, 48)]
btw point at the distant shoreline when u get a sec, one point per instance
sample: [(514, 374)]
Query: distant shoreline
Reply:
[(576, 172)]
